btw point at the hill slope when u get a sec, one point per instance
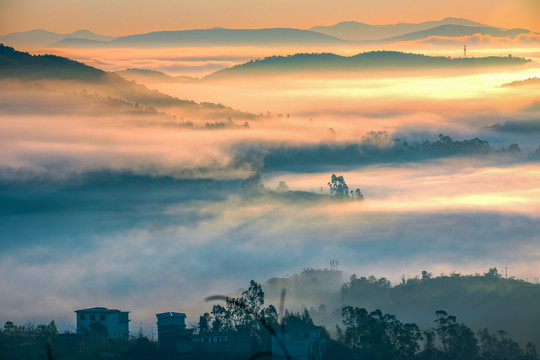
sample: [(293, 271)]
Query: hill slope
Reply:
[(143, 76), (480, 301), (16, 65), (318, 63)]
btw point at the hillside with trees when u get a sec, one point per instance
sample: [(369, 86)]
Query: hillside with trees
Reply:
[(360, 333), (368, 61), (482, 301)]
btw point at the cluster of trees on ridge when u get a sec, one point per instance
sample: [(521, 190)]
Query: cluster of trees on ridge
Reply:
[(324, 62), (375, 147)]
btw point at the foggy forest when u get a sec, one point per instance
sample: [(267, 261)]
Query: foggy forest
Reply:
[(303, 180)]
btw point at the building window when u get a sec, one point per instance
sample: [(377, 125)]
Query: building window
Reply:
[(81, 317), (93, 317), (102, 317)]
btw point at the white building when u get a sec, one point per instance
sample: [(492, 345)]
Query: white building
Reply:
[(299, 339), (115, 322)]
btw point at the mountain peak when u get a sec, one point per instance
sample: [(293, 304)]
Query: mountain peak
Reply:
[(82, 32)]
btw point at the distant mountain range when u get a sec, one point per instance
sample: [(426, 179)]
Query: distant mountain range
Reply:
[(210, 37), (349, 32), (36, 39), (356, 31), (454, 31), (151, 76), (320, 63)]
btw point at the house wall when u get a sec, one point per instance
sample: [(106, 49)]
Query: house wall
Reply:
[(117, 323), (299, 344)]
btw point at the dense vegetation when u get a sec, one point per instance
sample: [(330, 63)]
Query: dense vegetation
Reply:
[(22, 65), (325, 62), (371, 335), (375, 147)]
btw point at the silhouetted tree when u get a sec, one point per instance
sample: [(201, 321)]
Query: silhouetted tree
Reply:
[(514, 148), (270, 315), (9, 327), (204, 323), (492, 273), (282, 187), (426, 275), (338, 187), (382, 333), (221, 319), (357, 194), (500, 346), (458, 340), (430, 350)]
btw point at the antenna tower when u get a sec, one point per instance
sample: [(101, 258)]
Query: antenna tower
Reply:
[(334, 265), (465, 51)]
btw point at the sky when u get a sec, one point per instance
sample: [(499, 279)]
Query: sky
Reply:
[(124, 17)]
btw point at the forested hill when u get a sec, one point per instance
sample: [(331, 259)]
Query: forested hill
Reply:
[(383, 60), (48, 69), (481, 301), (22, 65)]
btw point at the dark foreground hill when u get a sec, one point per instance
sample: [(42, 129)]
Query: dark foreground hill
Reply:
[(374, 60), (49, 70), (22, 65)]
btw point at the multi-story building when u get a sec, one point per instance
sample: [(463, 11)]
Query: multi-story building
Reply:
[(299, 340), (101, 321), (172, 332)]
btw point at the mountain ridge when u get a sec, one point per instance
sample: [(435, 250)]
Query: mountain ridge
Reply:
[(16, 65), (40, 38), (454, 31), (324, 62), (358, 31), (213, 37)]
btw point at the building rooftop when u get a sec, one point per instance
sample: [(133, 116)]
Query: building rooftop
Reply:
[(99, 309), (170, 314)]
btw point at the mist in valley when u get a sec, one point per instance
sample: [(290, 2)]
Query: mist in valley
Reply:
[(150, 191)]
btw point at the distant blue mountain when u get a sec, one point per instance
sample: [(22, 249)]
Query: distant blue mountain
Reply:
[(356, 31), (144, 75), (455, 31), (212, 37), (36, 39)]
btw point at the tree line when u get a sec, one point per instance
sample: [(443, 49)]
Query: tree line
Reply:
[(386, 338)]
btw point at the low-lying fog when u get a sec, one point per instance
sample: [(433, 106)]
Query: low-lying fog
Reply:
[(111, 204)]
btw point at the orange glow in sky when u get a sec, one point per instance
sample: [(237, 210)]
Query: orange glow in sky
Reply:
[(124, 17)]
